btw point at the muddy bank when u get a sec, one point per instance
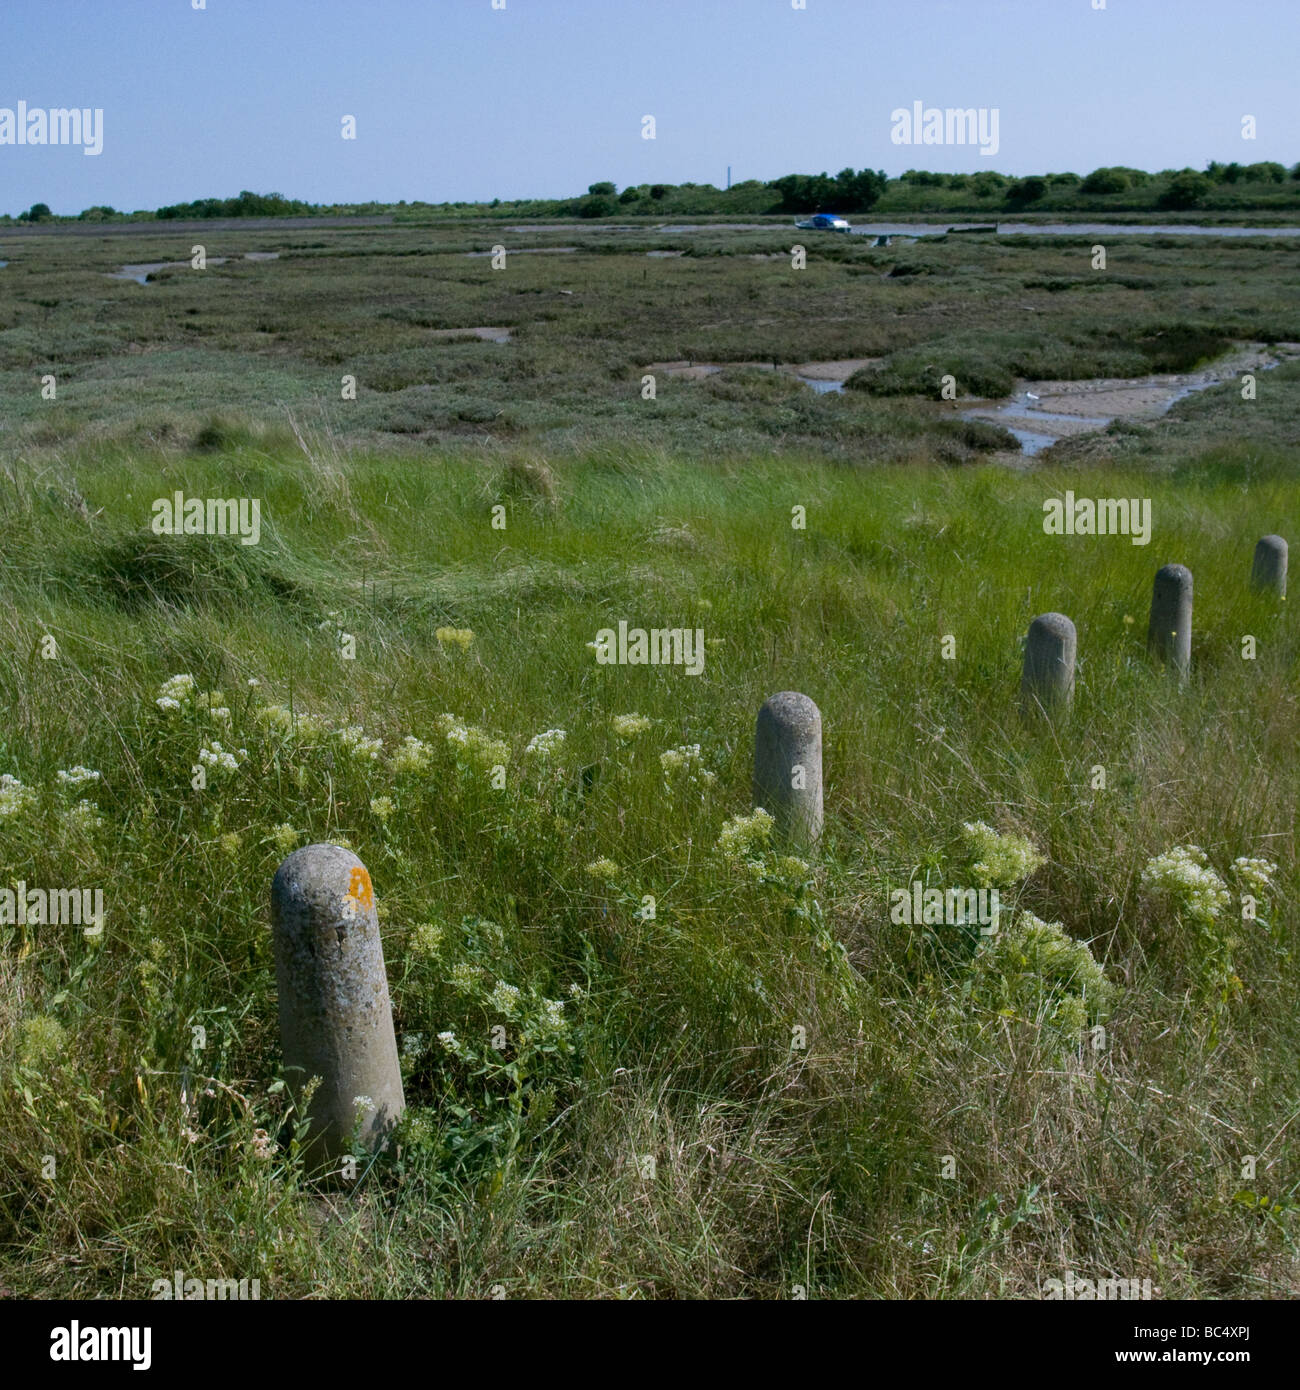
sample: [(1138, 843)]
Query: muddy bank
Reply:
[(1042, 412)]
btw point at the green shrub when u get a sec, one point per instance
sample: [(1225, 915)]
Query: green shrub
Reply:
[(1105, 181), (1025, 191), (1186, 190)]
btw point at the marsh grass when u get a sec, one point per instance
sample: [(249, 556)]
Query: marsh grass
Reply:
[(245, 343)]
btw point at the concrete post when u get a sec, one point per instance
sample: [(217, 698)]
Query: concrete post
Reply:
[(335, 1017), (788, 768), (1047, 681), (1169, 633), (1268, 573)]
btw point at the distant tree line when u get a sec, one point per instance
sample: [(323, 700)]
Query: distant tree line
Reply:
[(1229, 186), (246, 205)]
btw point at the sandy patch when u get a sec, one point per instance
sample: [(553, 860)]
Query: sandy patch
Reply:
[(141, 272), (683, 370), (838, 370)]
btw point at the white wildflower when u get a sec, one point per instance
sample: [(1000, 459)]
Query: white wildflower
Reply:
[(473, 746), (746, 837), (14, 796), (83, 817), (1183, 876), (220, 759), (999, 861), (686, 760), (543, 745), (1256, 874), (413, 756), (175, 693), (76, 776), (505, 998), (353, 737), (464, 976)]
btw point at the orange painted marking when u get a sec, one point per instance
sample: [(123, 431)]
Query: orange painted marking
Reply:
[(360, 891)]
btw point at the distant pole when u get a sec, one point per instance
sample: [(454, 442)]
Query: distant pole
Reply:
[(728, 175)]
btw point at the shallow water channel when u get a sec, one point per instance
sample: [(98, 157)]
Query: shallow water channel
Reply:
[(141, 272)]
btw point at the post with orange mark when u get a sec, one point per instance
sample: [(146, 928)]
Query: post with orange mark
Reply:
[(336, 1022)]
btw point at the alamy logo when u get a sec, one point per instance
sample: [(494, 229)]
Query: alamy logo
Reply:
[(60, 126), (674, 646), (179, 515), (953, 125), (1104, 1290), (59, 907), (952, 907), (77, 1343), (192, 1290), (1103, 516)]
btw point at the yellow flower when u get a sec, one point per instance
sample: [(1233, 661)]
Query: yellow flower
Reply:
[(285, 837), (454, 637), (629, 725)]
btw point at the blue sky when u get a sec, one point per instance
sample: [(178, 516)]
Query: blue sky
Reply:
[(456, 100)]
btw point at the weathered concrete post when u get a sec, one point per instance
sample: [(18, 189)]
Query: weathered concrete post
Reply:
[(1268, 573), (1169, 633), (1047, 681), (788, 767), (335, 1017)]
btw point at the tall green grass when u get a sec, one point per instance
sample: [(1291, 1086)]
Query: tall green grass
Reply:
[(775, 1167)]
